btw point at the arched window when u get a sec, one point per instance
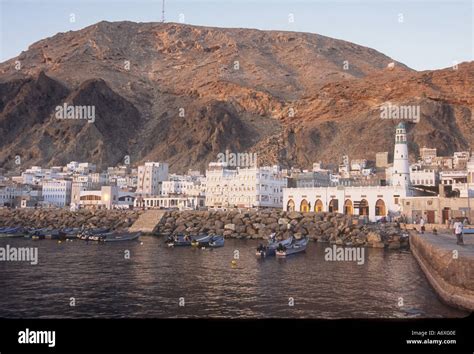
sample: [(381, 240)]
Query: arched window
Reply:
[(290, 206), (380, 208), (304, 207), (318, 206), (333, 206), (364, 208), (348, 209)]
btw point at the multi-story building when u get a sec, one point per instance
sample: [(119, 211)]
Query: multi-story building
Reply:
[(150, 178), (86, 167), (124, 181), (453, 177), (436, 209), (428, 155), (185, 185), (312, 179), (470, 170), (244, 187), (423, 176), (11, 193), (443, 162), (108, 197), (460, 159), (358, 164), (57, 192)]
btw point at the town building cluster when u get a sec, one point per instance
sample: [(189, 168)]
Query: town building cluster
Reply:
[(434, 187)]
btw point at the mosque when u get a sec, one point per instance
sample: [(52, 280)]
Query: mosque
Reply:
[(372, 202)]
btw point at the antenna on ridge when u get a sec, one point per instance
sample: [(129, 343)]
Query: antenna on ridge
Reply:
[(163, 11)]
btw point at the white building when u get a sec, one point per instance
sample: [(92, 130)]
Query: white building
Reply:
[(178, 201), (72, 166), (372, 202), (470, 170), (124, 181), (150, 178), (57, 192), (108, 197), (453, 177), (86, 167), (244, 187), (313, 179), (186, 185), (423, 176), (36, 175), (358, 164), (10, 194)]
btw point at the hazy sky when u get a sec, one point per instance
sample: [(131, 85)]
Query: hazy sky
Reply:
[(422, 34)]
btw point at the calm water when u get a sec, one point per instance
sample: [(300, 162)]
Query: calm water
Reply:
[(150, 283)]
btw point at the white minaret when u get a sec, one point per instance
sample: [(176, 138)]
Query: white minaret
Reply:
[(401, 168)]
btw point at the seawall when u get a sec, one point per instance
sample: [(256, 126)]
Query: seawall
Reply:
[(448, 267)]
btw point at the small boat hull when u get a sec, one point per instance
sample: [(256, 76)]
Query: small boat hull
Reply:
[(120, 237), (296, 247), (216, 241), (270, 249), (7, 232), (201, 241), (18, 234)]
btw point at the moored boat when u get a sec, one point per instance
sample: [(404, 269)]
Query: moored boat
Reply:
[(119, 236), (12, 232), (179, 240), (270, 248), (90, 234), (216, 241), (295, 247), (201, 241)]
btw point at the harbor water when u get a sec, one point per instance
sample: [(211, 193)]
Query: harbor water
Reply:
[(147, 279)]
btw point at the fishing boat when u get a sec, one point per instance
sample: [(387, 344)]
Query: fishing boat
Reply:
[(69, 233), (54, 234), (295, 247), (91, 234), (119, 236), (201, 241), (216, 241), (39, 234), (11, 232), (179, 240), (270, 249)]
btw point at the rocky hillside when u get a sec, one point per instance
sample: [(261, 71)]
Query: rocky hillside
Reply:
[(184, 94)]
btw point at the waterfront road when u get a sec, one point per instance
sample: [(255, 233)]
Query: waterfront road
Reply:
[(447, 241)]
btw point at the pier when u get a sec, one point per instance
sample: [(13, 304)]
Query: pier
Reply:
[(448, 267)]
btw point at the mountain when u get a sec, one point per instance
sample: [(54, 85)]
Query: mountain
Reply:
[(184, 94)]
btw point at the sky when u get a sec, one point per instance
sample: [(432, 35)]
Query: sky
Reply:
[(423, 34)]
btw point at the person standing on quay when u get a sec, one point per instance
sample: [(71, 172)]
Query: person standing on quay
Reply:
[(458, 232), (422, 224)]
